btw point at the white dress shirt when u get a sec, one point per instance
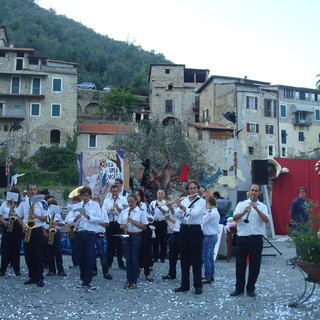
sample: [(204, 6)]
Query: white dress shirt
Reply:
[(57, 218), (158, 215), (210, 222), (194, 214), (5, 210), (105, 219), (144, 208), (137, 215), (108, 204), (84, 224), (39, 209), (255, 226)]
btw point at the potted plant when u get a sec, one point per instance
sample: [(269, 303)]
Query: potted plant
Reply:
[(306, 238)]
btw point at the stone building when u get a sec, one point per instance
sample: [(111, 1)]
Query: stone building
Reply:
[(38, 92), (172, 92)]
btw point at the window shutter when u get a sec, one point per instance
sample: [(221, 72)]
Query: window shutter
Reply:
[(266, 128), (257, 128), (247, 102), (248, 127), (274, 109), (256, 103), (265, 108)]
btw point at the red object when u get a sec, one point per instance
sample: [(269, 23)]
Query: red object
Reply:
[(301, 174), (184, 173)]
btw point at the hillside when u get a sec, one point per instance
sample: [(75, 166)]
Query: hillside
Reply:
[(100, 59)]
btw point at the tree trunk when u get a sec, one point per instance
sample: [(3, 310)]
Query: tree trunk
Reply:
[(167, 177)]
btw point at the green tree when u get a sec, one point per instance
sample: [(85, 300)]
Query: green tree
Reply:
[(167, 148), (119, 103)]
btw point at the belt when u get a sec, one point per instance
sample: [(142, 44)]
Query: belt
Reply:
[(250, 237), (189, 225), (133, 232), (99, 234), (158, 220), (85, 231)]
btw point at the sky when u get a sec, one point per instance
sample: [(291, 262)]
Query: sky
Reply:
[(276, 41)]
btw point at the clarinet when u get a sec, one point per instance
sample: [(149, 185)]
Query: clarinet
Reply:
[(246, 220)]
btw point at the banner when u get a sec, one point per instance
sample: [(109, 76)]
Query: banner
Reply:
[(99, 169)]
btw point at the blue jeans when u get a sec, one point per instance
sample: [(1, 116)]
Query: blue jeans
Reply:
[(84, 242), (131, 247), (101, 254), (209, 242)]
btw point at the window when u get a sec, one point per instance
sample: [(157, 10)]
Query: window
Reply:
[(170, 86), (283, 111), (55, 110), (317, 114), (169, 108), (167, 71), (284, 152), (283, 136), (19, 64), (15, 85), (57, 85), (288, 93), (55, 136), (270, 108), (2, 54), (252, 103), (269, 129), (297, 95), (301, 136), (36, 86), (250, 150), (35, 110), (302, 95), (252, 127), (205, 115), (225, 152), (271, 150), (92, 141), (307, 96)]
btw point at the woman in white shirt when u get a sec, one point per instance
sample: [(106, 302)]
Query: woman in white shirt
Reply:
[(210, 230), (133, 220)]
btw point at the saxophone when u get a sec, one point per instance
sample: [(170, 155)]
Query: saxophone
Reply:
[(30, 224), (52, 230), (71, 231), (12, 218)]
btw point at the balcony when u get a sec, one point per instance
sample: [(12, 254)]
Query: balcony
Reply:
[(12, 114), (302, 122)]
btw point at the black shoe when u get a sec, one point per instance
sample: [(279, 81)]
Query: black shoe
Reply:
[(62, 274), (107, 276), (2, 274), (30, 281), (212, 279), (155, 260), (167, 277), (40, 283), (51, 273), (198, 291), (251, 293), (235, 293), (181, 289), (123, 267), (18, 273), (94, 273), (89, 287), (162, 260)]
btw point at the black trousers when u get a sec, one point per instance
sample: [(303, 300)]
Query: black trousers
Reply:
[(55, 254), (190, 240), (174, 251), (252, 246), (145, 251), (160, 240), (10, 247), (34, 254), (114, 243)]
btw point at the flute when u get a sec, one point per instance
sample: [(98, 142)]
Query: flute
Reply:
[(182, 198)]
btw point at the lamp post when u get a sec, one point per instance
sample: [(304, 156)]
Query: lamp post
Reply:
[(16, 126)]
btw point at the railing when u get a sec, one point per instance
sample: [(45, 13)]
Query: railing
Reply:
[(302, 122)]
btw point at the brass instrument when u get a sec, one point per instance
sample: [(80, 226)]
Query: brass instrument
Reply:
[(71, 231), (52, 230), (12, 218), (30, 224)]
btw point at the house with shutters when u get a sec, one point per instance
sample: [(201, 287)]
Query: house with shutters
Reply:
[(39, 93)]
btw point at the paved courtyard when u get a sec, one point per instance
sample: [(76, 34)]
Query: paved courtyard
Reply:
[(278, 284)]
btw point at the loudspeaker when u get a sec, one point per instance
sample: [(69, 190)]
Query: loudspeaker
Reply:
[(241, 196), (259, 171), (3, 177)]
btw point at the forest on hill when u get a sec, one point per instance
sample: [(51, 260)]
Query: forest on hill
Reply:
[(102, 60)]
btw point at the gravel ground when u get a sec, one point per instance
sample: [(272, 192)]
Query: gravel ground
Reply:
[(278, 284)]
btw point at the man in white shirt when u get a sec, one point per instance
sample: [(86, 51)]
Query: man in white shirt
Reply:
[(34, 247), (87, 215), (112, 207), (252, 216)]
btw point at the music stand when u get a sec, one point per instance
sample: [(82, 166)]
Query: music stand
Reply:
[(270, 246)]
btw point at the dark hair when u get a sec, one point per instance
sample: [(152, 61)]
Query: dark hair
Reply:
[(86, 189), (194, 182), (141, 194), (32, 184), (52, 201), (76, 198), (132, 195), (302, 188), (255, 184), (114, 186), (44, 191), (211, 200), (47, 197), (217, 195), (119, 180)]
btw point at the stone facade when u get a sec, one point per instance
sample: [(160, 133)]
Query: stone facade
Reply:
[(173, 92), (39, 93)]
